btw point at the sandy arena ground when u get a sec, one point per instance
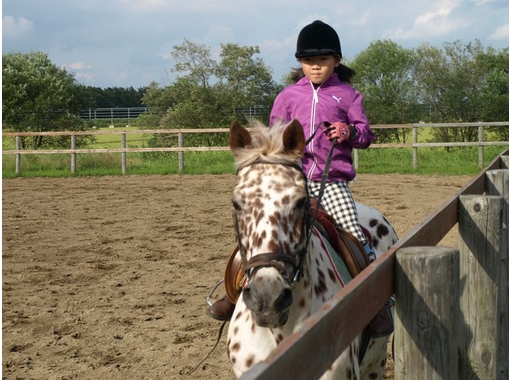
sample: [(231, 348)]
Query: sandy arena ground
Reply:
[(105, 278)]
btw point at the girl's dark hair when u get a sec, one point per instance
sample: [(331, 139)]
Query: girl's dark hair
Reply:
[(344, 73)]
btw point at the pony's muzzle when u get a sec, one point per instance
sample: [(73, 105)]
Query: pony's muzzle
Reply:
[(269, 304)]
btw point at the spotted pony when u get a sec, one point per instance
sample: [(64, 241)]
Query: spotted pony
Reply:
[(289, 272)]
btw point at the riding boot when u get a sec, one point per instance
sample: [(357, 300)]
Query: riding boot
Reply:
[(221, 310), (382, 324)]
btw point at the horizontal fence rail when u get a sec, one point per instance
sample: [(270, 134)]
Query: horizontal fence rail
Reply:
[(181, 148), (113, 113)]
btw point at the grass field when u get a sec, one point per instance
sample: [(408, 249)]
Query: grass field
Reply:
[(457, 161)]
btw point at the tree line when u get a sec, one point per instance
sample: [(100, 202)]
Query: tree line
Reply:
[(111, 97), (456, 83)]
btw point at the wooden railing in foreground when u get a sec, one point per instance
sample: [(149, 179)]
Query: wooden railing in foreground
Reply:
[(309, 352), (181, 148)]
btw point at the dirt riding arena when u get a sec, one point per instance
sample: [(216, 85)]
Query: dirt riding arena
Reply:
[(105, 278)]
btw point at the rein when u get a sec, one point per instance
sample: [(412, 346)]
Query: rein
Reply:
[(324, 179)]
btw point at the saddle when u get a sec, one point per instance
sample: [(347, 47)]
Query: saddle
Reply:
[(343, 242)]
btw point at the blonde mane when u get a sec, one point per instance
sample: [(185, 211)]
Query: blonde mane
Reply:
[(266, 146)]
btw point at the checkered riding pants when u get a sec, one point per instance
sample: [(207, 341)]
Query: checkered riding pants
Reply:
[(338, 202)]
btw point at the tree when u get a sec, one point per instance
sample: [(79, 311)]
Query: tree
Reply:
[(460, 83), (245, 80), (38, 96), (209, 92), (385, 78), (112, 97), (195, 60), (495, 90)]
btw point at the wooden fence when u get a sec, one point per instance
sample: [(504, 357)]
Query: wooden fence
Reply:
[(451, 307), (181, 148)]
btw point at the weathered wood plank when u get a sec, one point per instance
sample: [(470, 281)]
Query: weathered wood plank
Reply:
[(426, 288), (480, 266), (497, 184)]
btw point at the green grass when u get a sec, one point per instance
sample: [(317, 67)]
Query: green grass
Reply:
[(377, 160), (457, 161)]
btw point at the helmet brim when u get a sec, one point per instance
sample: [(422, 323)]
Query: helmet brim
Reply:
[(316, 52)]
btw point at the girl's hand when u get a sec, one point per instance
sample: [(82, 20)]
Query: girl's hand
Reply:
[(338, 130)]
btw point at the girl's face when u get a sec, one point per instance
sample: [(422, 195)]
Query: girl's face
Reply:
[(320, 67)]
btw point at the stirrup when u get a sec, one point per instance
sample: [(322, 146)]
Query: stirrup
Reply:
[(208, 298), (370, 252)]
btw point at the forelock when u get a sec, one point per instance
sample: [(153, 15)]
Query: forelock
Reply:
[(266, 146)]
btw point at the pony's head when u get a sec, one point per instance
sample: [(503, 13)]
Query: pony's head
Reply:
[(271, 209)]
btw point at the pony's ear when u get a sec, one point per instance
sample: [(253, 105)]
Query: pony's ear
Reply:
[(239, 137), (294, 138)]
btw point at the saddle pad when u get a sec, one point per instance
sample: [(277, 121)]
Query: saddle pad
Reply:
[(342, 271)]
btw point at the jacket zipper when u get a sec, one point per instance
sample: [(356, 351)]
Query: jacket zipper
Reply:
[(315, 100)]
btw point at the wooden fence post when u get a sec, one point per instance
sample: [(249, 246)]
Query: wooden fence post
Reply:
[(180, 141), (504, 162), (73, 155), (480, 147), (497, 184), (481, 258), (18, 156), (415, 148), (426, 288), (123, 154)]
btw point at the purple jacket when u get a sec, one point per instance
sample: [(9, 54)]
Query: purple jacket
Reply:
[(332, 101)]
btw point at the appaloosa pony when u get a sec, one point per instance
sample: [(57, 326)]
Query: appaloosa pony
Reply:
[(289, 272)]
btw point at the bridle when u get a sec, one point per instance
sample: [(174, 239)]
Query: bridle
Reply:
[(274, 259)]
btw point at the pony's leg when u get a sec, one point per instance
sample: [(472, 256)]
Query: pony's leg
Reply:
[(247, 343), (374, 362), (346, 366)]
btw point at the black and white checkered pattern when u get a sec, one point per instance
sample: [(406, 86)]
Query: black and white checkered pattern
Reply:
[(338, 202)]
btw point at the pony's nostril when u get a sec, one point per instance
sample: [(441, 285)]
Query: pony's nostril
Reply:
[(283, 302), (250, 300)]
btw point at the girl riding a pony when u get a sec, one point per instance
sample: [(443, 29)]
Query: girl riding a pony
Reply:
[(331, 112)]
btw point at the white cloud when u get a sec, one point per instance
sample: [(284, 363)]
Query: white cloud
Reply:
[(438, 22), (482, 2), (500, 33), (220, 33), (16, 28), (78, 66), (199, 6)]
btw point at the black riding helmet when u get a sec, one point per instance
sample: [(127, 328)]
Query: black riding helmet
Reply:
[(318, 38)]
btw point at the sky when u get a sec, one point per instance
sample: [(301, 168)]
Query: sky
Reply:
[(124, 43)]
